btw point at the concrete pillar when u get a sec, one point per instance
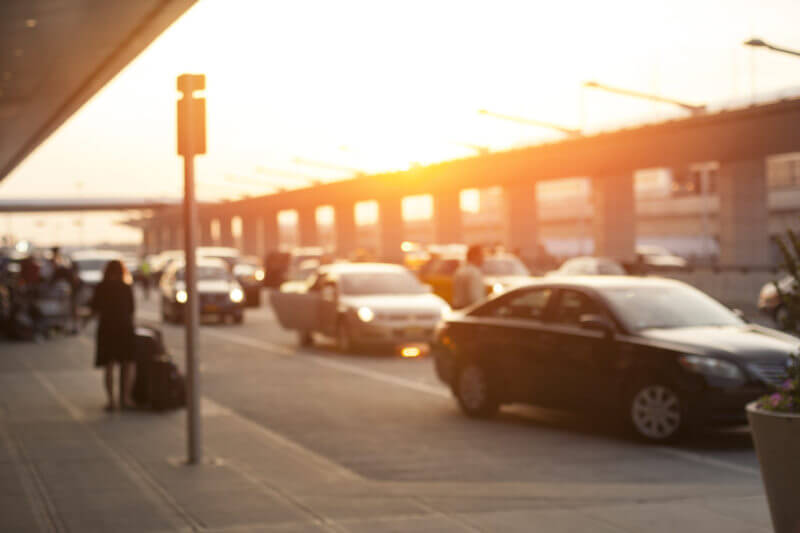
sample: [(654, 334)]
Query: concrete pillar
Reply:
[(205, 237), (448, 227), (743, 214), (249, 235), (307, 226), (147, 241), (225, 233), (391, 229), (345, 229), (614, 217), (270, 231), (522, 220)]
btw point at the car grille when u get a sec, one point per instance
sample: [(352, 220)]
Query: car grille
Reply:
[(771, 373), (216, 298)]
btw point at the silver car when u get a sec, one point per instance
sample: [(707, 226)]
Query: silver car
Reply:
[(362, 304)]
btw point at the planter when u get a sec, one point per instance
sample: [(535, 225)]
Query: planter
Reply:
[(777, 441)]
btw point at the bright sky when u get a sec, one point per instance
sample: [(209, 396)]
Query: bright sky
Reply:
[(378, 86)]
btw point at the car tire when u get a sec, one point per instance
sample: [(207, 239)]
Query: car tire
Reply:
[(305, 338), (238, 318), (655, 411), (344, 339), (475, 392), (444, 365)]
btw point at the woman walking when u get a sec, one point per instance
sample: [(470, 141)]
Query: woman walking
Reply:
[(112, 302)]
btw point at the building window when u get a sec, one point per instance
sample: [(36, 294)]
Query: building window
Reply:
[(783, 171)]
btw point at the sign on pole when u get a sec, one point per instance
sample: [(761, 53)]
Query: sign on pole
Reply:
[(191, 141)]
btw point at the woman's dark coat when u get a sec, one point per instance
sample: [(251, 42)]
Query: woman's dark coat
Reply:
[(113, 303)]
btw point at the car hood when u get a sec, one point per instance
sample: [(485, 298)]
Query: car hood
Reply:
[(208, 286), (397, 302), (90, 276), (747, 341)]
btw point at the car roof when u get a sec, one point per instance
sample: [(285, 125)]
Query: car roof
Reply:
[(95, 254), (201, 261), (605, 282), (347, 268), (218, 251)]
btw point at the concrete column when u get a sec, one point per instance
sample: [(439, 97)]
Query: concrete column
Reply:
[(447, 217), (391, 229), (743, 214), (249, 235), (614, 217), (225, 233), (522, 220), (345, 229), (270, 231), (205, 238), (147, 241), (307, 226)]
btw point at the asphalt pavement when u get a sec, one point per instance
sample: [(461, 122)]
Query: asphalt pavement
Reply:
[(313, 440)]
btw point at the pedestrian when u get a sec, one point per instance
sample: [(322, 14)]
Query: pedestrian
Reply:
[(112, 303), (468, 284)]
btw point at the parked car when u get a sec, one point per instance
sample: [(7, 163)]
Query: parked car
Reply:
[(657, 258), (231, 256), (90, 265), (250, 275), (589, 266), (361, 304), (769, 301), (657, 353), (282, 266), (220, 295)]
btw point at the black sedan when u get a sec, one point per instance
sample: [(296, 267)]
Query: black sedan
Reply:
[(659, 353)]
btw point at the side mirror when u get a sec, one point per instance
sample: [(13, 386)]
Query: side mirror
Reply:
[(597, 323)]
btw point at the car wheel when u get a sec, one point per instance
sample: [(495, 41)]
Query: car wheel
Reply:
[(656, 412), (443, 364), (305, 338), (238, 318), (474, 391), (344, 339)]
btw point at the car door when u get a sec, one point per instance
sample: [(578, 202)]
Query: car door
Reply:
[(328, 306), (298, 310), (580, 360), (508, 336)]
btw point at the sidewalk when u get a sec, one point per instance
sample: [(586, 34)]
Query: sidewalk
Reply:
[(66, 465)]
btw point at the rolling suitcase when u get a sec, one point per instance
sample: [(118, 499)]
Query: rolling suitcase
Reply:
[(159, 384)]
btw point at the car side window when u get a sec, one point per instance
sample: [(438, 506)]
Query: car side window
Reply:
[(573, 304), (529, 305), (317, 283)]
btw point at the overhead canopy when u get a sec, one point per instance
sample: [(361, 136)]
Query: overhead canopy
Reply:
[(56, 54)]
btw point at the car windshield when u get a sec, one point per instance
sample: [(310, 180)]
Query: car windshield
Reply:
[(503, 266), (364, 283), (667, 306), (90, 264), (207, 273)]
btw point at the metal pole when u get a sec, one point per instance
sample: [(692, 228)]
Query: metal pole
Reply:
[(192, 315)]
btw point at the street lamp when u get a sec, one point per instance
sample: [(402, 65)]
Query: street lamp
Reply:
[(755, 42), (691, 108)]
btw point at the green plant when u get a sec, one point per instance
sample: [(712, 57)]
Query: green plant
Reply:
[(786, 398)]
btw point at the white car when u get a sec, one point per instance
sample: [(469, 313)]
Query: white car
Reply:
[(362, 304)]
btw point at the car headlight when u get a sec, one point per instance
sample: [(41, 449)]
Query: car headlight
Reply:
[(708, 366), (497, 288), (181, 297), (259, 275), (365, 314), (236, 295)]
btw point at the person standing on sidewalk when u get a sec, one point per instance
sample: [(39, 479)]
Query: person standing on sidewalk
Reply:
[(112, 303), (468, 285)]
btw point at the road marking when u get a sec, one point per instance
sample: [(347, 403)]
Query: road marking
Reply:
[(708, 461), (443, 392)]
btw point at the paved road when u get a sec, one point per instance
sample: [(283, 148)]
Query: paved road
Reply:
[(389, 418), (312, 440)]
